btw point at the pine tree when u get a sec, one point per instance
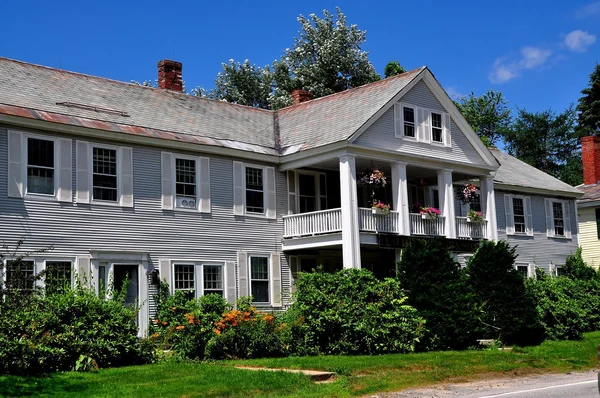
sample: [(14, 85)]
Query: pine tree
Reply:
[(589, 106)]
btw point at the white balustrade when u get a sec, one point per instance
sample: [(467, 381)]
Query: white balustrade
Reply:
[(313, 223), (423, 226), (378, 222), (470, 229)]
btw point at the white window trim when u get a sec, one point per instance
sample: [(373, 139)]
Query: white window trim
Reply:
[(119, 176), (400, 134), (269, 278), (198, 264), (530, 268), (565, 226), (554, 269), (196, 159), (429, 113), (37, 268), (33, 195), (61, 259), (264, 176), (318, 176), (524, 199), (399, 110)]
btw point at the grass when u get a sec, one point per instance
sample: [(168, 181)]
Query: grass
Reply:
[(360, 374)]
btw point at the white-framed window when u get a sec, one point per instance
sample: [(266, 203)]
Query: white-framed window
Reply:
[(518, 215), (59, 275), (186, 175), (558, 218), (19, 275), (105, 171), (422, 124), (254, 192), (185, 182), (524, 269), (557, 269), (259, 278), (199, 278), (213, 283), (41, 166), (183, 277), (254, 188), (409, 118), (436, 127)]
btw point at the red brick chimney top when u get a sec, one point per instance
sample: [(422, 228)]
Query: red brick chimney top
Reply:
[(299, 96), (169, 75), (590, 155)]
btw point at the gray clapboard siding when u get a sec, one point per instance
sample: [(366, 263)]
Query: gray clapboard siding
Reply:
[(538, 249), (381, 133), (74, 229)]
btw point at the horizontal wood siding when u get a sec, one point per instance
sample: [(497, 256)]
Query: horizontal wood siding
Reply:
[(381, 133), (76, 229), (590, 244), (538, 249)]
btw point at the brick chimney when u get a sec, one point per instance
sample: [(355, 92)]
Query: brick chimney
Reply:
[(169, 75), (299, 96), (590, 155)]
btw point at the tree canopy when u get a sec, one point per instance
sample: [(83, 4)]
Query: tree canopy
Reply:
[(487, 114), (589, 106), (393, 68)]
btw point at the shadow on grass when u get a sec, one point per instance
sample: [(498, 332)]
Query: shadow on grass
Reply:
[(19, 386)]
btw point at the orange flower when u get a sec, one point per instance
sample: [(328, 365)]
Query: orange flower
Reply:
[(155, 335), (180, 327), (217, 332), (173, 308), (164, 323)]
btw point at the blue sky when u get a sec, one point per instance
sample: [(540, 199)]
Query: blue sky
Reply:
[(539, 55)]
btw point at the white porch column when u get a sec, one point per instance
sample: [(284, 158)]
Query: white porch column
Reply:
[(488, 206), (446, 195), (400, 196), (349, 204)]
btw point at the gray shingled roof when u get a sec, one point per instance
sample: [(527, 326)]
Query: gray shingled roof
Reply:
[(591, 193), (515, 172), (40, 88), (337, 116)]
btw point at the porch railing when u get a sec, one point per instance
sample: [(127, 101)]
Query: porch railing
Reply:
[(470, 230), (313, 223), (370, 222), (431, 227)]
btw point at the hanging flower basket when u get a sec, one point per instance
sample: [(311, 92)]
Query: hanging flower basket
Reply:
[(429, 213), (466, 193), (474, 216), (374, 178)]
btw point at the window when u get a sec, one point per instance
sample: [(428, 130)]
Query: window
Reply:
[(58, 275), (20, 275), (259, 279), (559, 270), (598, 222), (523, 269), (436, 127), (323, 191), (307, 192), (559, 221), (40, 166), (475, 203), (519, 215), (185, 183), (409, 121), (184, 278), (213, 279), (255, 195), (104, 179)]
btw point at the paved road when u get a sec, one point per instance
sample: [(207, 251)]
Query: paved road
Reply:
[(572, 385)]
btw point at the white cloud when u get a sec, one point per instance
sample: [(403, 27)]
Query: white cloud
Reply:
[(579, 40), (589, 10), (504, 70)]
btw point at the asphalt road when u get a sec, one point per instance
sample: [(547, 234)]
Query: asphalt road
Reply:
[(572, 385)]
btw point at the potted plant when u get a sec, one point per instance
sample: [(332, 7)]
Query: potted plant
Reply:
[(380, 208), (474, 216), (429, 213)]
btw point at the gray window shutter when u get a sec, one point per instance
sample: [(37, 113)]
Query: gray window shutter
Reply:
[(238, 188), (549, 218), (230, 292), (204, 185), (167, 180), (508, 212), (83, 270), (528, 217), (567, 218), (424, 126), (446, 130), (15, 164), (294, 269), (165, 272), (82, 165), (292, 192), (276, 280), (126, 176), (243, 274), (398, 121), (65, 183), (271, 199)]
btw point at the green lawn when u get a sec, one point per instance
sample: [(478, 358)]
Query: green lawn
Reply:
[(360, 374)]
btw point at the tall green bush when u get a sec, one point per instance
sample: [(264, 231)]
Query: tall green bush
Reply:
[(508, 309), (437, 288)]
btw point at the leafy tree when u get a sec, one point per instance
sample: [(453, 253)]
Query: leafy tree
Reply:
[(243, 83), (576, 268), (487, 114), (547, 141), (393, 68), (589, 106)]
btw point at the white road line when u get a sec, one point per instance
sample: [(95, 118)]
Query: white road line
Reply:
[(539, 389)]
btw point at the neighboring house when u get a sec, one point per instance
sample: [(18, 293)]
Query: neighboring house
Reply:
[(588, 207), (125, 181)]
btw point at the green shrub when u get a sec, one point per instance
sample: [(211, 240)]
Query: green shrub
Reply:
[(437, 288), (350, 312), (508, 309), (576, 268)]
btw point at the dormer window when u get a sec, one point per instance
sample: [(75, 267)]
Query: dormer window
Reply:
[(436, 127), (409, 121), (423, 125)]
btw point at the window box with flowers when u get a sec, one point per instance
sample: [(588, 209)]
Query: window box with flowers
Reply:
[(429, 213), (474, 216), (380, 208)]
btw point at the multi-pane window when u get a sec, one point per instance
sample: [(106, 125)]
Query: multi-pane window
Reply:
[(213, 279), (58, 275), (476, 202), (559, 220), (523, 269), (185, 183), (40, 166), (409, 121), (436, 127), (559, 270), (519, 215), (104, 179), (254, 190), (20, 275), (307, 193), (184, 277), (259, 279)]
